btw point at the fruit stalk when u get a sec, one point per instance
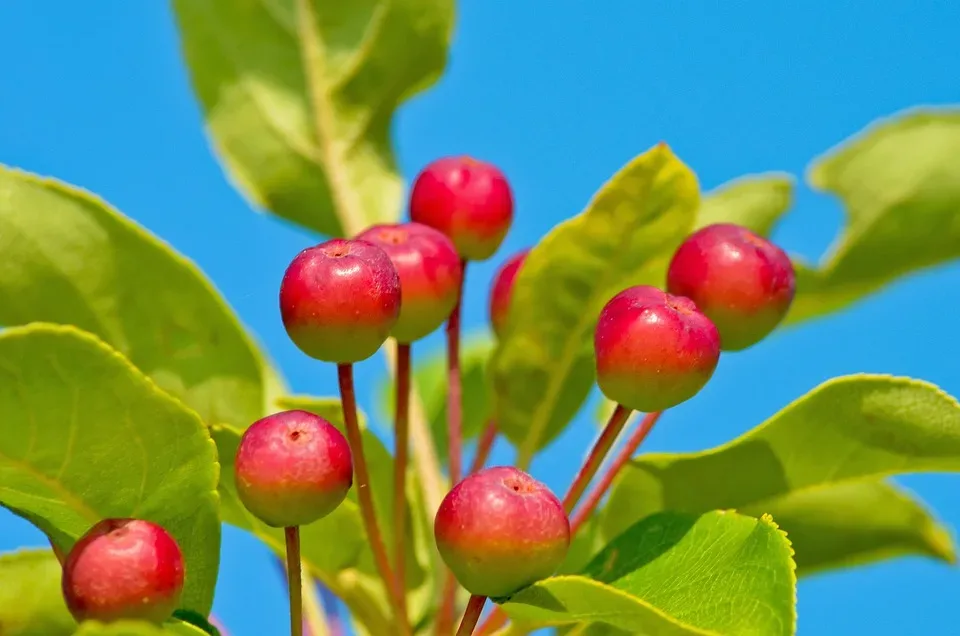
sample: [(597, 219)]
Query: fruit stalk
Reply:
[(593, 499), (454, 388), (484, 446), (294, 580), (401, 438), (597, 454), (471, 615), (364, 498)]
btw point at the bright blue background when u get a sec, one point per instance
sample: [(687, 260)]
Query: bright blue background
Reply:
[(560, 96)]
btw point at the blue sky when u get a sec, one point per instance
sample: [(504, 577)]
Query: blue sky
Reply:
[(560, 97)]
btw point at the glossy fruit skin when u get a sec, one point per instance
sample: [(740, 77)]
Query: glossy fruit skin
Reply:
[(292, 468), (653, 350), (340, 299), (499, 530), (123, 569), (742, 281), (468, 200), (501, 291), (430, 275)]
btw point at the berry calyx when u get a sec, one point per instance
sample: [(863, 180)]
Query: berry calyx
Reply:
[(500, 530), (123, 569), (468, 200), (430, 275), (292, 468), (501, 291), (653, 350), (740, 280), (340, 299)]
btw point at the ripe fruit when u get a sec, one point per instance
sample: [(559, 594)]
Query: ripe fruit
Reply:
[(123, 569), (292, 468), (502, 291), (741, 281), (468, 200), (340, 299), (430, 275), (653, 350), (499, 530)]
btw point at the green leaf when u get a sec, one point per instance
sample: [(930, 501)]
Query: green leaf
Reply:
[(88, 437), (430, 380), (756, 202), (70, 258), (299, 98), (138, 628), (31, 603), (858, 522), (899, 182), (673, 574), (847, 430), (543, 367)]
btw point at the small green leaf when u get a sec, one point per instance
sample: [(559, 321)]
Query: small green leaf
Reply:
[(756, 202), (70, 258), (855, 523), (899, 182), (138, 628), (88, 437), (849, 429), (543, 367), (676, 573), (299, 98), (430, 380), (31, 603)]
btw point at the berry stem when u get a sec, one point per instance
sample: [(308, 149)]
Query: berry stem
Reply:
[(364, 498), (484, 446), (471, 615), (596, 456), (454, 388), (402, 435), (294, 580), (593, 499)]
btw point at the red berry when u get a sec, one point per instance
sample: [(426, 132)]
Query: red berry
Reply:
[(466, 199), (742, 281), (653, 350), (292, 468), (501, 291), (340, 299), (123, 569), (499, 530), (430, 275)]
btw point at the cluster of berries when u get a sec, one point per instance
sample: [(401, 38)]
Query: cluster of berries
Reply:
[(498, 530)]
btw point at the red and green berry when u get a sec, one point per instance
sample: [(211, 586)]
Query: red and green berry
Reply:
[(501, 291)]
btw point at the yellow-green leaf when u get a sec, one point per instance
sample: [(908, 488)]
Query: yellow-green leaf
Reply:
[(756, 202), (86, 436), (899, 182), (31, 603), (845, 431), (677, 574), (543, 366), (299, 97), (70, 258)]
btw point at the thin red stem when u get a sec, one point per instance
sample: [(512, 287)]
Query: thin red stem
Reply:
[(454, 389), (484, 446), (447, 613), (496, 620), (364, 498), (402, 442), (593, 499), (471, 615), (294, 580), (597, 454)]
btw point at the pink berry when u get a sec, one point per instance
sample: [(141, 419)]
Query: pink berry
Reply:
[(123, 569), (499, 530), (468, 200), (501, 292), (340, 299), (653, 350), (430, 275), (292, 468), (742, 281)]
